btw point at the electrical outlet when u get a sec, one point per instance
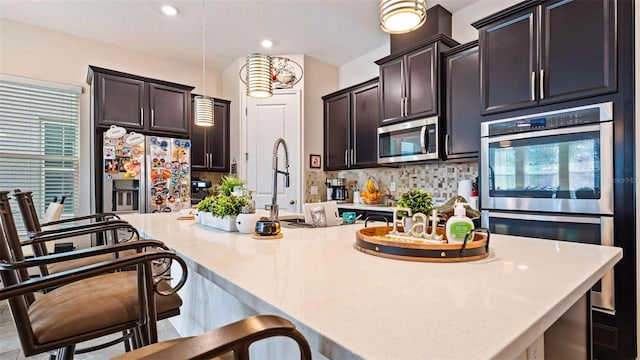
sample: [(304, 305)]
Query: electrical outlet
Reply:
[(314, 190), (392, 186)]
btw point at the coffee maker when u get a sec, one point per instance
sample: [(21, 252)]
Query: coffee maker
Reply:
[(337, 190), (199, 190)]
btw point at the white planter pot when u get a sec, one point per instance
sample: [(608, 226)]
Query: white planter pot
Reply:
[(226, 223), (246, 223)]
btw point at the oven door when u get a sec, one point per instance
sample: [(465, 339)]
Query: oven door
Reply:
[(596, 230), (566, 170)]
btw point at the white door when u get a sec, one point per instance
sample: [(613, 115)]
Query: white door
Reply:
[(266, 121)]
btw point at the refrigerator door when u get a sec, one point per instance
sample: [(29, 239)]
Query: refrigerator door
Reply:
[(169, 176), (159, 174), (180, 182), (123, 171)]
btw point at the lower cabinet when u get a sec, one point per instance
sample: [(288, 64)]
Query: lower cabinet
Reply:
[(210, 144), (371, 215), (462, 102)]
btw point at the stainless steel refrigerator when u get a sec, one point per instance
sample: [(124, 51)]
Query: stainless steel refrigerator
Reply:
[(145, 173)]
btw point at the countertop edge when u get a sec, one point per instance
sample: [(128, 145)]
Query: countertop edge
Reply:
[(513, 350)]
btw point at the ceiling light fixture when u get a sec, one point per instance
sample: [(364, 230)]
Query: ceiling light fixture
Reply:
[(203, 105), (169, 10), (402, 16), (262, 73)]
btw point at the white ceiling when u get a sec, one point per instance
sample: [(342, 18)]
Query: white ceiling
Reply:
[(333, 31)]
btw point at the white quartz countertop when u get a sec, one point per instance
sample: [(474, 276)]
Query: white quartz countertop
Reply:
[(363, 306)]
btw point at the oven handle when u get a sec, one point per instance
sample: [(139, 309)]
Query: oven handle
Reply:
[(423, 139), (564, 219), (538, 134)]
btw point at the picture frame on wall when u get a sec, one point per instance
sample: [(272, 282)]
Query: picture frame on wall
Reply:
[(315, 161)]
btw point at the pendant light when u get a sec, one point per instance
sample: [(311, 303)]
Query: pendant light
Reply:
[(203, 105), (402, 16), (258, 75)]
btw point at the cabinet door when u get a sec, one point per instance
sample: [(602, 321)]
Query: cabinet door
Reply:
[(578, 49), (392, 91), (421, 83), (170, 109), (119, 101), (462, 139), (336, 132), (508, 63), (364, 125), (218, 139), (199, 151)]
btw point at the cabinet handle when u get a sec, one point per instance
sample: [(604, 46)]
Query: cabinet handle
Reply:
[(541, 83), (206, 160), (210, 160), (446, 145), (406, 106), (402, 107), (353, 161), (142, 117), (533, 86), (346, 154), (152, 118)]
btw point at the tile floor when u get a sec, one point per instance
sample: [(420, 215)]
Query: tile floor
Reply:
[(10, 344)]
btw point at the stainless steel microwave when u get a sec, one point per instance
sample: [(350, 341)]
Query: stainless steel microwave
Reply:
[(415, 140)]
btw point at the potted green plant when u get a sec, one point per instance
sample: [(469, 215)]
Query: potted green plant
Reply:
[(418, 200), (220, 211)]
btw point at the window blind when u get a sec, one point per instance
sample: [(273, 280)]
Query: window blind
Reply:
[(39, 143)]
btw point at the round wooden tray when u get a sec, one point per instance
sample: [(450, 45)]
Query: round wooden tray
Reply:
[(372, 240)]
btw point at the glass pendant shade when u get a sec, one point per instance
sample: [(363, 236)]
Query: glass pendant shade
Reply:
[(203, 110), (402, 16), (258, 76)]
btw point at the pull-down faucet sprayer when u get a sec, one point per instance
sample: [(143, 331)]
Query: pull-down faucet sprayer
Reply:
[(273, 215)]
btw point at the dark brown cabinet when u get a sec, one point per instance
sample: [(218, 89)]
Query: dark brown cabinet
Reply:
[(556, 51), (210, 144), (138, 103), (462, 102), (350, 123), (409, 81)]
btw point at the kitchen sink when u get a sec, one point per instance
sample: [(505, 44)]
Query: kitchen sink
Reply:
[(294, 223)]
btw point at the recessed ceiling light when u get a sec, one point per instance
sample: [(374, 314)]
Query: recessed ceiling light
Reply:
[(266, 43), (169, 10)]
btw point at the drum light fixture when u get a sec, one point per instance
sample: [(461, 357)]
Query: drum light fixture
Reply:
[(203, 105), (402, 16)]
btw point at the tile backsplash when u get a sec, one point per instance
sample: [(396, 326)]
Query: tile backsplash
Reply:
[(440, 179)]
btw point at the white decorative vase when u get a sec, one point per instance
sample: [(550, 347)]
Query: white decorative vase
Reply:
[(227, 223), (246, 223)]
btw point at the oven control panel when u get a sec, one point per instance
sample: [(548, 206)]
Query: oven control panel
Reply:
[(546, 121)]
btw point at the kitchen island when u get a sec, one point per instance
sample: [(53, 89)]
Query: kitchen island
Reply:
[(353, 305)]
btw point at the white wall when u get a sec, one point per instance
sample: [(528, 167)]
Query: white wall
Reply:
[(42, 54), (320, 79), (461, 29), (362, 68)]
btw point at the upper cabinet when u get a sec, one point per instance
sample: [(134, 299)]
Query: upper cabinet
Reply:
[(409, 81), (134, 102), (210, 144), (547, 52), (462, 102), (351, 120)]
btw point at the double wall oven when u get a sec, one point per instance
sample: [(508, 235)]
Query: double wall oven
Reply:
[(550, 176)]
